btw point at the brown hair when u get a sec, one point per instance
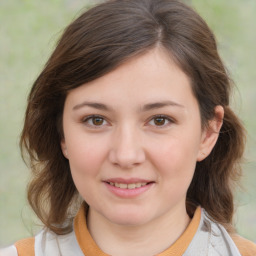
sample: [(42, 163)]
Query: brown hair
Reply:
[(93, 45)]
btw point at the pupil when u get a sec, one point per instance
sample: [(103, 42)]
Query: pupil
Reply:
[(159, 121), (97, 121)]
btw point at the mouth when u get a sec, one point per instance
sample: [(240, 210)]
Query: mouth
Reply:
[(129, 185), (128, 188)]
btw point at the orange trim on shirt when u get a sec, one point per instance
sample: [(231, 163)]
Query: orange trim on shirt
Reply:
[(84, 239), (26, 247), (181, 245), (90, 248), (245, 247)]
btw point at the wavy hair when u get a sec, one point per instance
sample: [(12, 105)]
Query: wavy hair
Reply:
[(91, 46)]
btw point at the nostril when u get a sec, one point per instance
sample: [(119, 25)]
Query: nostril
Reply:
[(126, 158)]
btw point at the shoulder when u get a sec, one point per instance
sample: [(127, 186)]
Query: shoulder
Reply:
[(23, 247), (26, 247), (49, 243), (45, 243), (219, 240), (246, 247), (9, 251)]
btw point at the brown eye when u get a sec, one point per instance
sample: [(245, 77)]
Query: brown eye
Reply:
[(97, 121), (159, 121)]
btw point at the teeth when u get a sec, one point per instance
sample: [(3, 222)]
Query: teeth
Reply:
[(138, 185), (131, 186), (128, 186), (122, 185)]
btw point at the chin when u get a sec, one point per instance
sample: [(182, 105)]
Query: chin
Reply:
[(128, 218)]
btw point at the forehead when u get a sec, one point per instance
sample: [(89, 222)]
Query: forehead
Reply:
[(152, 76)]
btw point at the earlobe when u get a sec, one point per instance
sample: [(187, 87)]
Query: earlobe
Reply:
[(64, 148), (210, 134)]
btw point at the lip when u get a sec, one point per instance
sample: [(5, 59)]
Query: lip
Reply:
[(127, 181), (128, 193)]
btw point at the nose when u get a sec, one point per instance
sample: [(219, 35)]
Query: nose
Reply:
[(127, 150)]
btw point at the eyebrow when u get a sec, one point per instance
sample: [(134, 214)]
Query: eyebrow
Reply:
[(161, 104), (146, 107), (96, 105)]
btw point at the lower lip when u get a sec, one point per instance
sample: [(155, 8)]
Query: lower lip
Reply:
[(128, 193)]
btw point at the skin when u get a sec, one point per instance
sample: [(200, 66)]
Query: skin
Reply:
[(133, 137)]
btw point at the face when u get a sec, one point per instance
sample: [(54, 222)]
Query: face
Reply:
[(133, 138)]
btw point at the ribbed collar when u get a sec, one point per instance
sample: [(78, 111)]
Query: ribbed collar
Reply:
[(90, 248)]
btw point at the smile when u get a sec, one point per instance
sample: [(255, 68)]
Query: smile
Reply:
[(128, 186)]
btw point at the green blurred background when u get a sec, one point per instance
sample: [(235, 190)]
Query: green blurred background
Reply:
[(28, 32)]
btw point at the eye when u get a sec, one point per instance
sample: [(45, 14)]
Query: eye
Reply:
[(94, 121), (160, 121)]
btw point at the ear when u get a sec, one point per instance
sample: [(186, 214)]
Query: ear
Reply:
[(210, 134), (64, 148)]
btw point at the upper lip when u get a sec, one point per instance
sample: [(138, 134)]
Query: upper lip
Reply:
[(127, 181)]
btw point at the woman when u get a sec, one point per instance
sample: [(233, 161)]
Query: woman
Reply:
[(132, 143)]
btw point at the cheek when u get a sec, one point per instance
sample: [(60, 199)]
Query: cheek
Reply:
[(85, 155), (175, 157), (86, 158)]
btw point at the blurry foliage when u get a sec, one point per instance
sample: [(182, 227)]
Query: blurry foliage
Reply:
[(28, 32), (233, 23)]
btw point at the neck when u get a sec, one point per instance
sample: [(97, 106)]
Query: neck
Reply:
[(148, 239)]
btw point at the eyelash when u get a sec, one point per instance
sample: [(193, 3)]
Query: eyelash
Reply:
[(165, 118), (152, 119), (88, 118)]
